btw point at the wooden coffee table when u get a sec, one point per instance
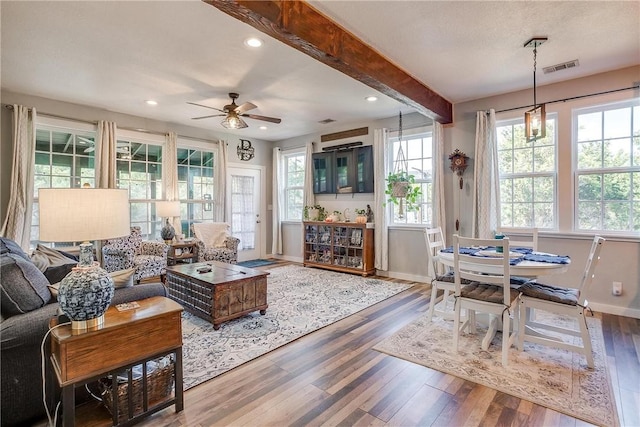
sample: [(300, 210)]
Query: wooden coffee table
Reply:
[(226, 292)]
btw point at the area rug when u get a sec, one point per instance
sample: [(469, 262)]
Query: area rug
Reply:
[(301, 300), (256, 263), (555, 379)]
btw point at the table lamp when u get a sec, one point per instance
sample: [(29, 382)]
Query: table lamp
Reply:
[(168, 209), (83, 215)]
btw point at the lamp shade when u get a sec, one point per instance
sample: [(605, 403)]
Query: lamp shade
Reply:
[(83, 214), (165, 209)]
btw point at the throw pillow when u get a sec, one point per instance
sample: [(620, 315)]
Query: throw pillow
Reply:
[(53, 263), (11, 247), (213, 235), (123, 278), (23, 287), (44, 257), (54, 290)]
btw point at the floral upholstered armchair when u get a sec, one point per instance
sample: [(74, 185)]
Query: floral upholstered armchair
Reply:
[(149, 258), (215, 243)]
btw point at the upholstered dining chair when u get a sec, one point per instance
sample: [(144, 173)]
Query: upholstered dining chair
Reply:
[(489, 291), (148, 257), (442, 276), (560, 300)]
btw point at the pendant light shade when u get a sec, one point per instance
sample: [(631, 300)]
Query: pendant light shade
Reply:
[(233, 121), (535, 124)]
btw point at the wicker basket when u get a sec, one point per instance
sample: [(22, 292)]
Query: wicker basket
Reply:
[(160, 379)]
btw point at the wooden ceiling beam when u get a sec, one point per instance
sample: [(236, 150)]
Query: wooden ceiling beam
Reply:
[(302, 27)]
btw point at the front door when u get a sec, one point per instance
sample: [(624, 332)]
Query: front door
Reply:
[(244, 204)]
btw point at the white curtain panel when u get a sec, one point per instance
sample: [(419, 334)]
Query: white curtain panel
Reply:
[(170, 174), (278, 202), (487, 184), (381, 231), (309, 197), (17, 223), (221, 182), (106, 151), (439, 214)]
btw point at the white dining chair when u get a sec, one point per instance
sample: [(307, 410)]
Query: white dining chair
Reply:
[(560, 300), (490, 290), (442, 277), (522, 238), (519, 238)]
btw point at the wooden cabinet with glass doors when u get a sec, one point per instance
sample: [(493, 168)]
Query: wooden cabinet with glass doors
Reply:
[(339, 246)]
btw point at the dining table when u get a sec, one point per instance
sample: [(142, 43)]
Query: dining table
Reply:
[(525, 263)]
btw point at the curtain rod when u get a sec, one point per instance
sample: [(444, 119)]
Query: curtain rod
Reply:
[(571, 98), (152, 132)]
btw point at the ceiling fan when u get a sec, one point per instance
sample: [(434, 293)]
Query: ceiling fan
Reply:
[(121, 147), (234, 113)]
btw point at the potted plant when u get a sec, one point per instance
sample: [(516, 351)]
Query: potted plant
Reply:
[(402, 186)]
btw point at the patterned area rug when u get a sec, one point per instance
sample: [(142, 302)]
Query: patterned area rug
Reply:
[(301, 300), (555, 379)]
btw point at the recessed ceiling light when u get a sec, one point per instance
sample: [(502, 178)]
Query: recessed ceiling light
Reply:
[(151, 102), (263, 128), (371, 98), (253, 42)]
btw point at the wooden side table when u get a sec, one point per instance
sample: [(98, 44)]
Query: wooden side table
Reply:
[(127, 338), (182, 252)]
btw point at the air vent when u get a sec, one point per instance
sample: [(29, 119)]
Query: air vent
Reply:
[(559, 67), (326, 121)]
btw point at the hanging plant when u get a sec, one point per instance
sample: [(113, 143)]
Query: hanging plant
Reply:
[(401, 185)]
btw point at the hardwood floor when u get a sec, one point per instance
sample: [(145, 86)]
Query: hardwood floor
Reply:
[(333, 377)]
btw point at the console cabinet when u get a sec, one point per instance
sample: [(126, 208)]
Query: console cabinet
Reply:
[(341, 246)]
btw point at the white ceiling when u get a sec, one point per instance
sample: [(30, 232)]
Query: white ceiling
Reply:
[(116, 55)]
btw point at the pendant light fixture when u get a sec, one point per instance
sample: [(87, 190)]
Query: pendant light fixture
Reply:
[(535, 119)]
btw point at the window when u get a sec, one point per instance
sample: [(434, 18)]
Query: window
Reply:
[(196, 187), (293, 169), (527, 176), (607, 167), (418, 151), (139, 169), (64, 158)]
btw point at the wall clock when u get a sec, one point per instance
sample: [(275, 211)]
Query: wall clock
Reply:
[(245, 150), (458, 165)]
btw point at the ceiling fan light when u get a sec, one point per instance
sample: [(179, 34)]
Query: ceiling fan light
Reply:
[(232, 121)]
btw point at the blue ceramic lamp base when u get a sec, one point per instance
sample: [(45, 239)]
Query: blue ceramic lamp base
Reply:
[(85, 293)]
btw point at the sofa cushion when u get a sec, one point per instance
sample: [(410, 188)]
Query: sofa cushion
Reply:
[(23, 287)]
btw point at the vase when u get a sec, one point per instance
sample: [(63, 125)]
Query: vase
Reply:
[(85, 294)]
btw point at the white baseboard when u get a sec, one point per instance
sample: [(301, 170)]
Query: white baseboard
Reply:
[(615, 309), (404, 276), (289, 258)]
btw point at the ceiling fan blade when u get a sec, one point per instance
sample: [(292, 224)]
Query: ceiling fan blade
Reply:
[(89, 149), (265, 118), (245, 107), (207, 117), (205, 106)]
